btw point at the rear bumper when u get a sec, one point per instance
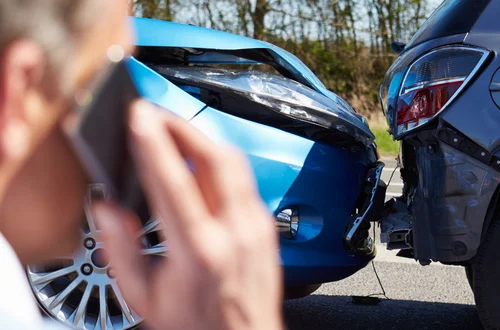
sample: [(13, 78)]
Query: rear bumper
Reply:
[(450, 189), (450, 204)]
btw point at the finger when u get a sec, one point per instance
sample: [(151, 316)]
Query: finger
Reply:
[(166, 178), (223, 173), (119, 230)]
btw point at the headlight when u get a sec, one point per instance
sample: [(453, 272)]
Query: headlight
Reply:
[(281, 95)]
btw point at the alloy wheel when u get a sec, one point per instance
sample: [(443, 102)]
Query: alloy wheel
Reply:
[(81, 290)]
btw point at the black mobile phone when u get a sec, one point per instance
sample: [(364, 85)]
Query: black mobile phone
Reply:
[(98, 133)]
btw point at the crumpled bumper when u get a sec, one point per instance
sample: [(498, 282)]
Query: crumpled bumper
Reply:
[(447, 205), (450, 203)]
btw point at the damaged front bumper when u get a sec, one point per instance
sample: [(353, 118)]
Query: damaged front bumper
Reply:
[(371, 206)]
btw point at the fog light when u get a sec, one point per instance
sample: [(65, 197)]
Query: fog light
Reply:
[(287, 223)]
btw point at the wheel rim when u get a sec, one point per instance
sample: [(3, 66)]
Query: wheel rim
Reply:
[(81, 290)]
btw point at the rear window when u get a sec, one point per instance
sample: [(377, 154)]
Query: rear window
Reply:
[(451, 17)]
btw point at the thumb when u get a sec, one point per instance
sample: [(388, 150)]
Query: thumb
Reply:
[(119, 234)]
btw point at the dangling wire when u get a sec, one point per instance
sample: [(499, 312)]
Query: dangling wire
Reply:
[(392, 175), (374, 242), (376, 273)]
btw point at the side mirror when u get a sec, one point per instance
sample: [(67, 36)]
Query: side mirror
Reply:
[(398, 46)]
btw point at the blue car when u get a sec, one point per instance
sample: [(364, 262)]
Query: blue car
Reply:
[(314, 158)]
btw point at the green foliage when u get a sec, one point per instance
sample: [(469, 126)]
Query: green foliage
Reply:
[(386, 145)]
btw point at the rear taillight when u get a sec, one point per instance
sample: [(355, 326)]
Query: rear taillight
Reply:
[(433, 82)]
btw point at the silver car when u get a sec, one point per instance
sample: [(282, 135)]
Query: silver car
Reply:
[(441, 98)]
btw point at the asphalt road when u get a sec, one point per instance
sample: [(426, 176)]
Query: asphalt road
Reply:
[(432, 297)]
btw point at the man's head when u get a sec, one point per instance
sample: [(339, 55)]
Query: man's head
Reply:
[(49, 49)]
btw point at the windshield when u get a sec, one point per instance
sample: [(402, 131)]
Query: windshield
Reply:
[(450, 18)]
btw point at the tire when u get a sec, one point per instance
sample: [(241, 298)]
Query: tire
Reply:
[(296, 292), (486, 278)]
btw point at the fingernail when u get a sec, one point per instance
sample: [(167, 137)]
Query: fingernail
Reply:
[(142, 116)]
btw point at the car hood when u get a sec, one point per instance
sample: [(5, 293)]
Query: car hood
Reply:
[(168, 34), (229, 48)]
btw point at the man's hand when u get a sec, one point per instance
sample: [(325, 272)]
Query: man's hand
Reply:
[(222, 269)]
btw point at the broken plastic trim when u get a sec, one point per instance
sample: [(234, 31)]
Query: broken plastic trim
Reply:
[(282, 95), (396, 230), (450, 182), (461, 142), (369, 212)]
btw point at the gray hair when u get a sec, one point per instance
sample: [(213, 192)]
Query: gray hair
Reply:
[(56, 25)]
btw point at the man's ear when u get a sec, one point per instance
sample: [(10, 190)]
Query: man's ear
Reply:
[(22, 67)]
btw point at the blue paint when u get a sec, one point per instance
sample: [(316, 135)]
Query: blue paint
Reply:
[(323, 181), (153, 87)]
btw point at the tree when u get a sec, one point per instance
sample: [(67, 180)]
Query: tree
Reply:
[(160, 9)]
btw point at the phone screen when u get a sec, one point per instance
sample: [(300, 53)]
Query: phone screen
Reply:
[(98, 133)]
